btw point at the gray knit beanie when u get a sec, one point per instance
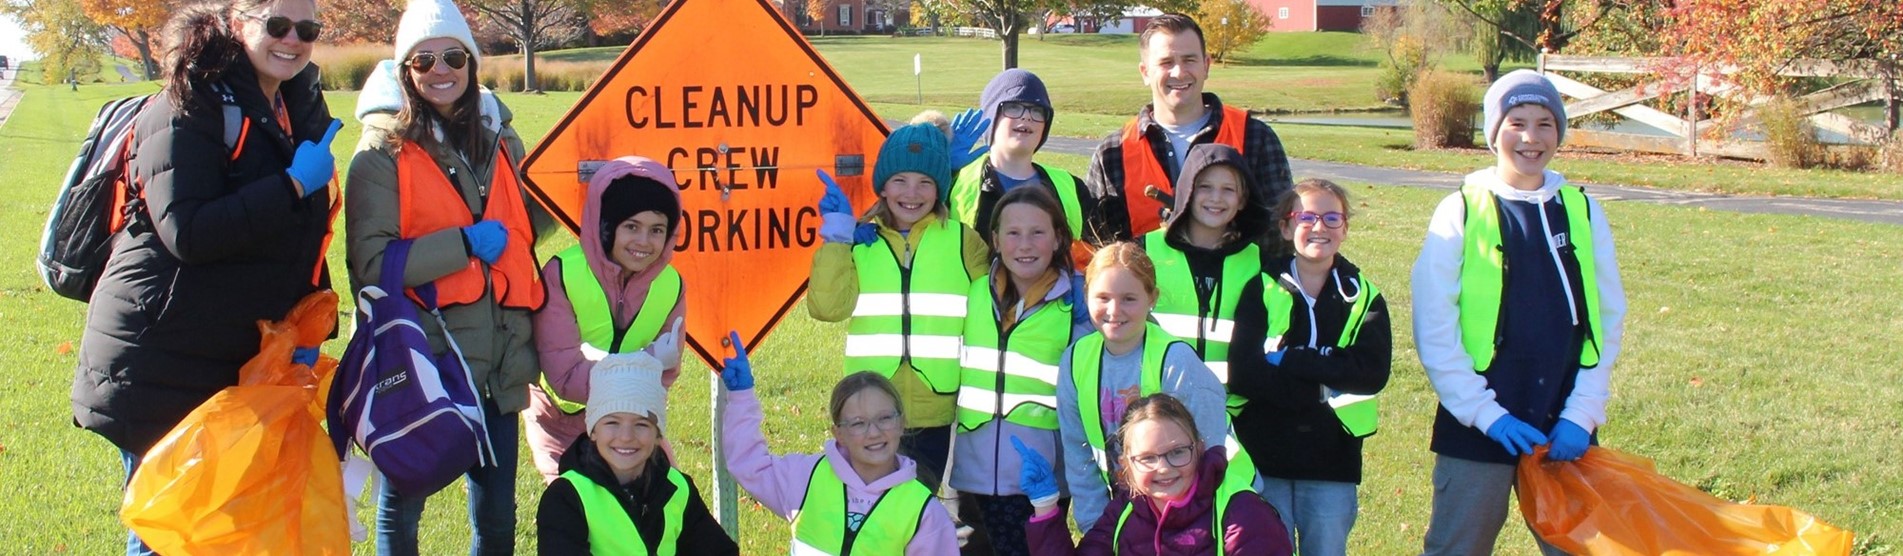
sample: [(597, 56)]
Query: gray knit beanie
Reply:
[(1517, 88)]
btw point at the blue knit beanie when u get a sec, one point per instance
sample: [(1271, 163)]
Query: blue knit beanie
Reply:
[(1517, 88), (921, 148), (1016, 85)]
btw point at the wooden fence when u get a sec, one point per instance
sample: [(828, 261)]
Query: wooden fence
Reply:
[(1858, 82)]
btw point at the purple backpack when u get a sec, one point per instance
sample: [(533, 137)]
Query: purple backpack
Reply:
[(414, 412)]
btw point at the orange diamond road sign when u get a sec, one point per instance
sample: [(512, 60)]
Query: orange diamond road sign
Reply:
[(729, 96)]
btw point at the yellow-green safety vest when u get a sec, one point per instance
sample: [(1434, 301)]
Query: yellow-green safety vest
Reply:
[(819, 525), (914, 314), (963, 199), (1012, 373), (1086, 375), (596, 320), (1238, 479), (1483, 273), (1359, 414), (1179, 309), (611, 531)]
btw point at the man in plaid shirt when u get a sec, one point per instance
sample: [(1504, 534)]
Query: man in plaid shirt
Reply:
[(1133, 187)]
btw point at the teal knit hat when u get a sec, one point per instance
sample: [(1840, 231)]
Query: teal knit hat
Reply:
[(921, 148)]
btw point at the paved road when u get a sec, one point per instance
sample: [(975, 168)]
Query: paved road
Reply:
[(1883, 212), (8, 95)]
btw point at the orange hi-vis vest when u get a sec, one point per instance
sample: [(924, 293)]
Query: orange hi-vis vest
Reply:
[(1142, 171), (429, 202)]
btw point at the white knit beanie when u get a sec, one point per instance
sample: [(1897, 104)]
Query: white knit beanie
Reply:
[(428, 19), (629, 383)]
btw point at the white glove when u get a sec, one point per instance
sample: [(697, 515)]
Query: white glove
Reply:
[(964, 535), (667, 346)]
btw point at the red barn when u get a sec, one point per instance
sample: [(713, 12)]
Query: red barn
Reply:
[(1319, 15)]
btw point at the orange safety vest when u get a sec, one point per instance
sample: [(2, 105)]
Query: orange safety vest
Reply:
[(1141, 170), (429, 202)]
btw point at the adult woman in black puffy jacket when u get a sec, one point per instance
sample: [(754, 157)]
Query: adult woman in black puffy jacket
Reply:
[(234, 161)]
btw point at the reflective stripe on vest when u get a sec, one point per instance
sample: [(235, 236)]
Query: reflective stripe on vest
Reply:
[(1141, 170), (1086, 375), (1483, 273), (1011, 373), (819, 525), (1359, 414), (611, 530), (912, 314), (965, 192), (1179, 307), (428, 202), (1237, 479), (596, 320)]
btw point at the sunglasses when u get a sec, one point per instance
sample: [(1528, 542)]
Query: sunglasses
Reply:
[(278, 26), (423, 62), (1333, 220)]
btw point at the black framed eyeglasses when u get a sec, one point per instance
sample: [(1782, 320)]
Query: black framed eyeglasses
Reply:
[(278, 26), (1024, 111), (1333, 220), (1176, 457), (423, 62)]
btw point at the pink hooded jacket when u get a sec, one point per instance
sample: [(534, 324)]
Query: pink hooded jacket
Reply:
[(779, 482), (558, 335)]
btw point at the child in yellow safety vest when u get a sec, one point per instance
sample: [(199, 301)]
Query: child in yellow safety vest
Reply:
[(1207, 251), (1128, 358), (617, 493), (858, 495), (610, 298), (1312, 348), (900, 275), (1019, 324)]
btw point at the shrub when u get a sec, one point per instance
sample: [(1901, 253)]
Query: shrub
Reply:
[(1790, 139), (1405, 61), (345, 67), (505, 74), (1442, 105)]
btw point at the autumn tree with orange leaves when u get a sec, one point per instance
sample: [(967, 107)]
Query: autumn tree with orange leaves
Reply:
[(134, 20)]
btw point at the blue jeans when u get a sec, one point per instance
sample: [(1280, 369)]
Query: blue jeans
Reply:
[(1318, 514), (134, 546), (491, 498)]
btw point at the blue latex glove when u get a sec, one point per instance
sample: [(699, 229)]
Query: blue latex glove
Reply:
[(1569, 442), (306, 356), (968, 132), (1275, 357), (1035, 476), (312, 165), (735, 372), (486, 240), (1079, 299), (865, 234), (1515, 435), (835, 212)]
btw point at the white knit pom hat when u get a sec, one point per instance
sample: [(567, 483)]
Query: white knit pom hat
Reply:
[(428, 19), (627, 384)]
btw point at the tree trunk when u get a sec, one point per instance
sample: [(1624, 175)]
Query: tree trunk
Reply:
[(1008, 38), (143, 41), (527, 40)]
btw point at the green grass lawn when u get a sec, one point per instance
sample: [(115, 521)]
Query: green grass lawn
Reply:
[(1732, 379)]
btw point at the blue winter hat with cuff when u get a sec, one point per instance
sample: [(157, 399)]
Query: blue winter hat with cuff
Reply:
[(920, 147), (1517, 88)]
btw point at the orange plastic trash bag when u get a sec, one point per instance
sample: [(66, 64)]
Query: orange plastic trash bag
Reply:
[(250, 471), (1610, 502)]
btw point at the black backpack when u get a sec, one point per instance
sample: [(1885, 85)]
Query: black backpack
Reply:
[(96, 199)]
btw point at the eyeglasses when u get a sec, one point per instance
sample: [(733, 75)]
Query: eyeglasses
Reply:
[(423, 62), (1023, 111), (278, 26), (889, 421), (1177, 457), (1333, 220)]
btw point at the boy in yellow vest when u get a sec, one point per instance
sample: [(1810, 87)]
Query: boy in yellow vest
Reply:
[(1520, 358)]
